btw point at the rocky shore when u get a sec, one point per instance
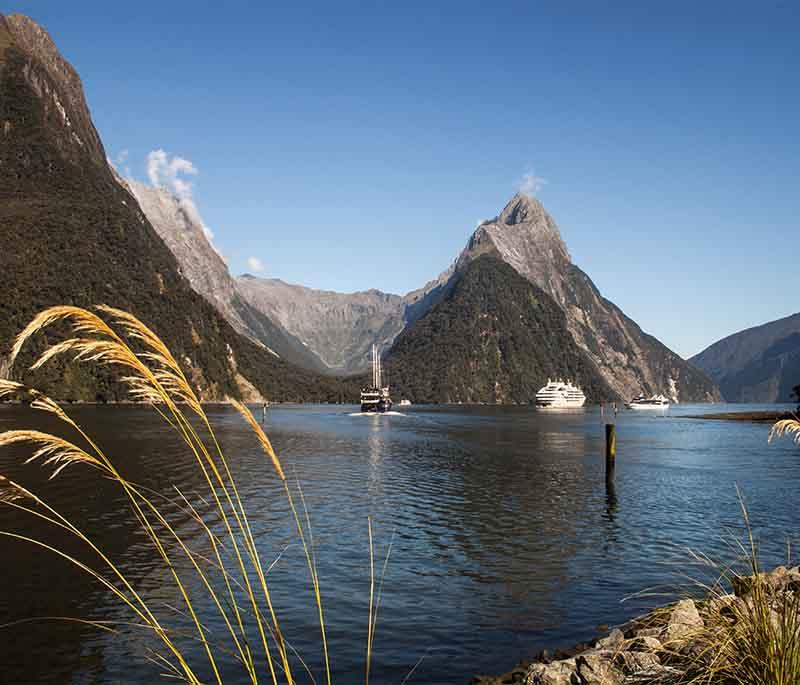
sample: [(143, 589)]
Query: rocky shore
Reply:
[(673, 644)]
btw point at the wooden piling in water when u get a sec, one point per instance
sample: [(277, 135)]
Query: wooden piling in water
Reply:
[(611, 448)]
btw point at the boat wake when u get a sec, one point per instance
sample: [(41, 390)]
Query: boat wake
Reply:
[(375, 413)]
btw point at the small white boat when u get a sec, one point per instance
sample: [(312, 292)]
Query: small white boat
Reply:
[(405, 403), (560, 395), (653, 402)]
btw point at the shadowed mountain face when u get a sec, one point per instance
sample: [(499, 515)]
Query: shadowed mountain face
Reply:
[(526, 237), (494, 338), (760, 364), (71, 234)]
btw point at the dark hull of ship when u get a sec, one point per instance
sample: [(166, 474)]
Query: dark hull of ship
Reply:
[(376, 407)]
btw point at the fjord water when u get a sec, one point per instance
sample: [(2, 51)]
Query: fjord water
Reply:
[(505, 537)]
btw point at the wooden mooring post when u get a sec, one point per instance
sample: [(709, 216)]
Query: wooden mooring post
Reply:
[(611, 449)]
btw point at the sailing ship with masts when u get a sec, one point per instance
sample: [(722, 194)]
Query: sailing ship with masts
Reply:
[(375, 398)]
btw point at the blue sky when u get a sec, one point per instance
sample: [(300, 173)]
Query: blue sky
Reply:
[(356, 145)]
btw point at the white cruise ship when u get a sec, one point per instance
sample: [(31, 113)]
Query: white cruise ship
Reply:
[(560, 395), (654, 402)]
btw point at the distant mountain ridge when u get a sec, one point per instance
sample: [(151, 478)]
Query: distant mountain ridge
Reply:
[(759, 364), (70, 233), (340, 328)]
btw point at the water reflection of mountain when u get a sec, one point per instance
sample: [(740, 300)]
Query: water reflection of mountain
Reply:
[(512, 497)]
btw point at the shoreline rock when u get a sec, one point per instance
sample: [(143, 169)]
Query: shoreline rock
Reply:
[(660, 647)]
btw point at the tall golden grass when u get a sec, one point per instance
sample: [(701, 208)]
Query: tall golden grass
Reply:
[(749, 639), (234, 568), (786, 427)]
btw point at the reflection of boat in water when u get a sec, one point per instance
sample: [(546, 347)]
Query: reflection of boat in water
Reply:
[(560, 395), (375, 398), (653, 402), (405, 403)]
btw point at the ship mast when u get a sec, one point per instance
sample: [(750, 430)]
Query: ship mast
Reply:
[(376, 367)]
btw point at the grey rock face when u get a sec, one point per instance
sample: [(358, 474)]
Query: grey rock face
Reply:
[(779, 579), (633, 663), (339, 328), (557, 673), (177, 223), (612, 641), (760, 364), (525, 236), (184, 236), (684, 621), (598, 669), (645, 643)]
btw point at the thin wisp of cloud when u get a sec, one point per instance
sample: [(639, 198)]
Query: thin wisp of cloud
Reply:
[(530, 184)]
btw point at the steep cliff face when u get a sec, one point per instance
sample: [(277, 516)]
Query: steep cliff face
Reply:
[(494, 337), (71, 234), (339, 328), (176, 222), (526, 237), (28, 49), (759, 364)]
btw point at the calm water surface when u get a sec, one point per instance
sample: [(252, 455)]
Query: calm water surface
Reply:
[(505, 536)]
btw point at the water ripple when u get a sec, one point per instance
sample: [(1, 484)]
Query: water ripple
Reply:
[(505, 535)]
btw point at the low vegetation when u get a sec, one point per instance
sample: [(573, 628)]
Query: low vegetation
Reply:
[(228, 575)]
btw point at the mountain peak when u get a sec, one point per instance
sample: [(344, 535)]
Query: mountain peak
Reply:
[(521, 209)]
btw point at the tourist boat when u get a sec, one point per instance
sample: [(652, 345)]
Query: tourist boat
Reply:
[(560, 395), (653, 402), (375, 398), (405, 403)]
